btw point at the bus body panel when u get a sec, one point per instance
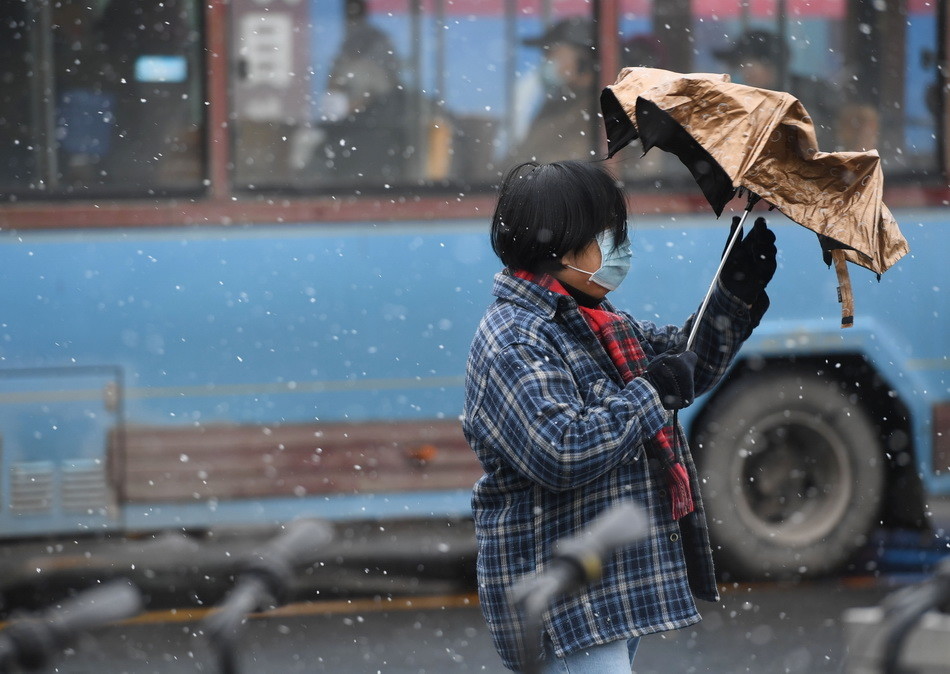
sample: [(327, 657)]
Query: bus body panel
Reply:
[(330, 325)]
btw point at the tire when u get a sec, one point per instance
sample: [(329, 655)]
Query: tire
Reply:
[(793, 476)]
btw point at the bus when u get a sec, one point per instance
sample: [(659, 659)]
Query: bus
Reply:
[(244, 248)]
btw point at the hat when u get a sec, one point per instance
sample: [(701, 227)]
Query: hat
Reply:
[(643, 50), (757, 45), (575, 30)]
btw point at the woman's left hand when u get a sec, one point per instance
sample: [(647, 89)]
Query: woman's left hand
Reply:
[(751, 262)]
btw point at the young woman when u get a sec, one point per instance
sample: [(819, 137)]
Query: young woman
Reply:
[(568, 407)]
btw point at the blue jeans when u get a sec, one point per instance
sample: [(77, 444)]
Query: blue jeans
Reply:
[(613, 658)]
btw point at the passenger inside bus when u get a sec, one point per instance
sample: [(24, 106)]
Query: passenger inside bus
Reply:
[(564, 126), (365, 119), (760, 58), (85, 103)]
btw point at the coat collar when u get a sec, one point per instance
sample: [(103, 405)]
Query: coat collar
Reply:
[(530, 295), (534, 298)]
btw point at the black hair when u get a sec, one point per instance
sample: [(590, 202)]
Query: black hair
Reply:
[(545, 211)]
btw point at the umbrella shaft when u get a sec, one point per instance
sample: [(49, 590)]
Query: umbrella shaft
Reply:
[(712, 286)]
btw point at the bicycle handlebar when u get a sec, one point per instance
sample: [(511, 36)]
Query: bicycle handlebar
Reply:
[(31, 641), (265, 576), (577, 561)]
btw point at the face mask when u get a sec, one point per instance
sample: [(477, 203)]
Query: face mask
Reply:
[(614, 262), (551, 76), (334, 106)]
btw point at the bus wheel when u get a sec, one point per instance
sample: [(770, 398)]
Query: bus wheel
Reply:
[(793, 475)]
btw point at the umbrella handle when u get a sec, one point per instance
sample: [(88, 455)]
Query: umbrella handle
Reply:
[(845, 296), (722, 263)]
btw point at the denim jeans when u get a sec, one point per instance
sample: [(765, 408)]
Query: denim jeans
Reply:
[(613, 658)]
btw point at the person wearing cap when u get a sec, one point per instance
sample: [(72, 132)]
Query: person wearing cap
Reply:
[(364, 112), (759, 58), (565, 125)]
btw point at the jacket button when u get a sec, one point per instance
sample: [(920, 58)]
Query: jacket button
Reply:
[(674, 537)]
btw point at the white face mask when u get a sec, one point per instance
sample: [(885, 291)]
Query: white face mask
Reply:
[(334, 106), (614, 261), (551, 76)]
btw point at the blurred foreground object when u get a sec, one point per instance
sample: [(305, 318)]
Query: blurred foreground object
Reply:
[(577, 561), (733, 136), (264, 582), (31, 642), (908, 632)]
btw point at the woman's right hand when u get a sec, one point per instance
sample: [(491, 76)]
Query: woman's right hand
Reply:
[(672, 377)]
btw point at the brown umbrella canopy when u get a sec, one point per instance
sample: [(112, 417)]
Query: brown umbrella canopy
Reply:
[(731, 136)]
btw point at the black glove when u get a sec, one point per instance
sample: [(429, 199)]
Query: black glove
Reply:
[(751, 262), (672, 377)]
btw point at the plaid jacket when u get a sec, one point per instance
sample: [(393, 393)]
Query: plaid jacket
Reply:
[(560, 439)]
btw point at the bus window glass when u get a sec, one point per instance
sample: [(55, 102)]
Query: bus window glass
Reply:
[(377, 94), (99, 98), (861, 70), (865, 72), (126, 108), (645, 41), (18, 129)]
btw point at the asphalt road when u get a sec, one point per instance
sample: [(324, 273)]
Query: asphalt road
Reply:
[(392, 619), (756, 628)]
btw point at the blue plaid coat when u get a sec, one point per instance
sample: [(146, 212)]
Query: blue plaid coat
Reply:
[(560, 438)]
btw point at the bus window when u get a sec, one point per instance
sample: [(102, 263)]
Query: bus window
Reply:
[(861, 73), (100, 98), (646, 39), (374, 94), (128, 97), (556, 91), (17, 124)]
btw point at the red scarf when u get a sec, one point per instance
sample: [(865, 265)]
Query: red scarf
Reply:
[(621, 344)]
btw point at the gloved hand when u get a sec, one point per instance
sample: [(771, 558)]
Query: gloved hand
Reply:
[(751, 262), (672, 377)]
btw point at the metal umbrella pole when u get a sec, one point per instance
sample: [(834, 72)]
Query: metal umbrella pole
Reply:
[(753, 199)]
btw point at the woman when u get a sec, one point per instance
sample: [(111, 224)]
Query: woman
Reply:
[(568, 407)]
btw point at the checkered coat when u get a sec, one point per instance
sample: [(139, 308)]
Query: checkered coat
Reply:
[(560, 438)]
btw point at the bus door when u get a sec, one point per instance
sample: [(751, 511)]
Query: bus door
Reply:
[(55, 427)]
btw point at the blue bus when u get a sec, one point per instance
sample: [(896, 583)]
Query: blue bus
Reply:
[(244, 249)]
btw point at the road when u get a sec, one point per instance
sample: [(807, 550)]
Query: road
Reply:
[(794, 627), (370, 616)]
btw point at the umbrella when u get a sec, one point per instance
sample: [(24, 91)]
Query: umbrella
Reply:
[(733, 137)]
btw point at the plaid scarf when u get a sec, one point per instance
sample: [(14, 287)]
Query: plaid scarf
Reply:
[(621, 344)]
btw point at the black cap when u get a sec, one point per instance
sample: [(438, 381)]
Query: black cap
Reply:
[(756, 45), (575, 30)]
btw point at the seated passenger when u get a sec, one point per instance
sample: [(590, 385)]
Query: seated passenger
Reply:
[(758, 59), (366, 127), (565, 127)]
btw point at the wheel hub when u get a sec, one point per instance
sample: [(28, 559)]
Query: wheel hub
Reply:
[(793, 478)]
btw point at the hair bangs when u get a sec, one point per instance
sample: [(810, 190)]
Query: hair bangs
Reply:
[(545, 211)]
